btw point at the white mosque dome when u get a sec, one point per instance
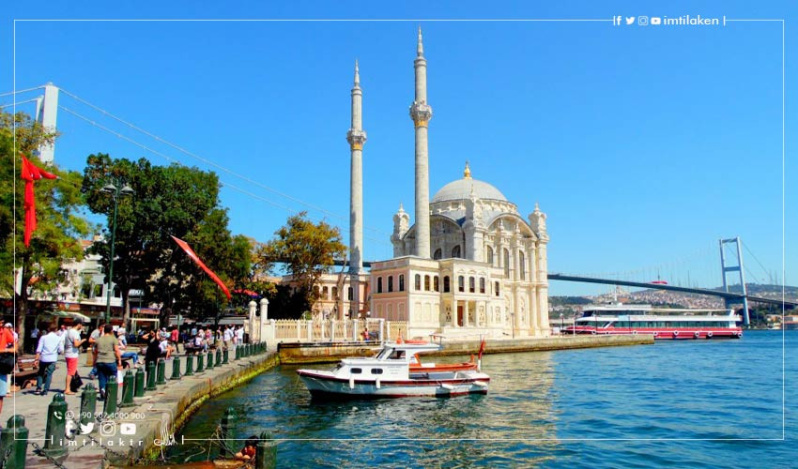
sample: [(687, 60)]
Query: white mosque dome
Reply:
[(462, 188)]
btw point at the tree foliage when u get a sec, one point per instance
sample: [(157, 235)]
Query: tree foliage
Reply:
[(60, 224), (167, 201), (307, 250)]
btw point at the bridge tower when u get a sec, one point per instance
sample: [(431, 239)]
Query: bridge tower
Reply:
[(734, 268), (47, 114)]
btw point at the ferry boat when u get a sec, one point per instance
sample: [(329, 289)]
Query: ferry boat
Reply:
[(388, 374), (662, 323)]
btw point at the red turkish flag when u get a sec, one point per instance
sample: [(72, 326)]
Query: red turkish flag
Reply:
[(196, 259), (30, 173)]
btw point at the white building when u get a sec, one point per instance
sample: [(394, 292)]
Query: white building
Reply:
[(471, 265)]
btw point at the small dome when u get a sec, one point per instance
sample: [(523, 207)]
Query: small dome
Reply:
[(461, 189)]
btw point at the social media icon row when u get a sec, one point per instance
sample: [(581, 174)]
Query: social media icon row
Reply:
[(106, 428), (641, 20)]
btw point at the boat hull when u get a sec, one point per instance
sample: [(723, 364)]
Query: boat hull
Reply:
[(664, 334), (325, 386)]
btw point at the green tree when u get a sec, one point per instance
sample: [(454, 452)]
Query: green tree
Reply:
[(307, 250), (60, 223), (168, 201)]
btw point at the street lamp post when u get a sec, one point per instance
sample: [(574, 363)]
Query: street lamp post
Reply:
[(116, 191)]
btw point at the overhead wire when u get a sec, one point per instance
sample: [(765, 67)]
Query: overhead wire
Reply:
[(210, 162), (20, 91)]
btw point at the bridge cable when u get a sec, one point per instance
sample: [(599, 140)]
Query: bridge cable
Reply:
[(211, 163), (20, 91)]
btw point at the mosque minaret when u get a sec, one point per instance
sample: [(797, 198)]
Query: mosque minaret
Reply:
[(421, 113), (356, 137)]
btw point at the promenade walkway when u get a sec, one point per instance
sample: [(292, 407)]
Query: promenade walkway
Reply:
[(135, 432)]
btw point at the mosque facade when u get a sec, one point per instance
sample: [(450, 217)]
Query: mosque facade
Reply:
[(471, 265)]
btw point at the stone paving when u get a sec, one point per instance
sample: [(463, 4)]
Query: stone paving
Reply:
[(135, 429)]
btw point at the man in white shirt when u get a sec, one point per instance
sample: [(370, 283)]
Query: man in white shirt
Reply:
[(228, 337), (46, 356), (239, 335)]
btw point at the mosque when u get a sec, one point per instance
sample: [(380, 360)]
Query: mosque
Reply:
[(469, 266)]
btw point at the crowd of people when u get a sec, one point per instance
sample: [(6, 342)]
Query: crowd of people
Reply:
[(111, 348)]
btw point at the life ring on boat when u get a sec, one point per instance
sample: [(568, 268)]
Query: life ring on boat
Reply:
[(676, 333), (634, 332), (696, 334), (709, 335), (593, 332), (656, 334)]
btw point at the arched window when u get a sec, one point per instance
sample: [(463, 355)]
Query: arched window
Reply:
[(446, 284), (335, 293), (461, 283), (506, 263), (471, 285), (438, 254), (436, 284), (426, 283), (401, 282), (489, 255), (521, 269), (379, 284), (325, 292), (482, 284), (497, 288), (456, 251), (418, 282), (390, 284)]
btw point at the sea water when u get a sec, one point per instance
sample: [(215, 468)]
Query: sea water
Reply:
[(692, 403)]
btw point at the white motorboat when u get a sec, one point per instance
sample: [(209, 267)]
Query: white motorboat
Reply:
[(388, 374)]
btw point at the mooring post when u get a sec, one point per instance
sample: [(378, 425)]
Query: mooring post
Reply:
[(88, 404), (55, 443), (210, 359), (111, 396), (139, 383), (175, 368), (14, 443), (219, 356), (238, 352), (266, 452), (127, 390), (226, 356), (151, 376), (200, 362), (225, 431), (189, 364), (161, 373)]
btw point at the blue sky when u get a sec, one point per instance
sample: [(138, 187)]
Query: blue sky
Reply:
[(643, 144)]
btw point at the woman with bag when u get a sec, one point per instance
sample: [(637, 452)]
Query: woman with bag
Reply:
[(72, 343)]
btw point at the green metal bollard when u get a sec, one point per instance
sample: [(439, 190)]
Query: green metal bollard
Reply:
[(226, 356), (175, 368), (55, 442), (111, 396), (229, 415), (88, 404), (161, 373), (218, 357), (266, 452), (14, 443), (238, 352), (200, 362), (127, 390), (189, 365), (210, 360), (139, 383), (151, 376)]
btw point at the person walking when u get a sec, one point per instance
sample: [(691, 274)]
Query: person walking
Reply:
[(34, 336), (47, 351), (7, 346), (107, 358), (72, 343), (228, 337)]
